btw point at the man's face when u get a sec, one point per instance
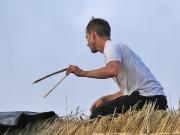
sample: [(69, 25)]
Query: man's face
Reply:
[(91, 42)]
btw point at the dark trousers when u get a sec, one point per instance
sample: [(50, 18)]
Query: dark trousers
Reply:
[(124, 103)]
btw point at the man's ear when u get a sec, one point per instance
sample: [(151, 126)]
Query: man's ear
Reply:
[(94, 35)]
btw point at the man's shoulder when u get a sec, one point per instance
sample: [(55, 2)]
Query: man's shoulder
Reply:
[(114, 47), (119, 44), (112, 44)]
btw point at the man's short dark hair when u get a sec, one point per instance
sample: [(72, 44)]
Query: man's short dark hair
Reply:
[(100, 26)]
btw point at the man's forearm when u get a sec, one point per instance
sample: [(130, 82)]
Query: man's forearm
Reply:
[(112, 69), (112, 96), (101, 73)]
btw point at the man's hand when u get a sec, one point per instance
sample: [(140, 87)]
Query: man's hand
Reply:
[(97, 103), (75, 70)]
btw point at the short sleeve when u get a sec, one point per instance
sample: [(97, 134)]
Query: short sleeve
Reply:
[(112, 52)]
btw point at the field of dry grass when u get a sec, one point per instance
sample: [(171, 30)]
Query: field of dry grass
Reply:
[(144, 122)]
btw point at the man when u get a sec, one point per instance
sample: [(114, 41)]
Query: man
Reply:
[(136, 82)]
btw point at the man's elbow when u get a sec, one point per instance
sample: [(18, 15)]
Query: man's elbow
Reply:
[(114, 72), (114, 68)]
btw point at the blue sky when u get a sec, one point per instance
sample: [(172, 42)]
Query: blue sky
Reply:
[(40, 37)]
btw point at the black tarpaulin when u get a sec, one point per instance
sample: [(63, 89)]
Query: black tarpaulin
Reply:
[(21, 118)]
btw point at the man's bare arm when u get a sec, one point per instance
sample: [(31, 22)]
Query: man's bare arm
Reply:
[(112, 96), (110, 70)]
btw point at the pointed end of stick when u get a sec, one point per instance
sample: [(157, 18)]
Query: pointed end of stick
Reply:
[(34, 82)]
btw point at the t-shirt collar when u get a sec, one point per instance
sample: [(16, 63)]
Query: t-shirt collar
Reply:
[(106, 44)]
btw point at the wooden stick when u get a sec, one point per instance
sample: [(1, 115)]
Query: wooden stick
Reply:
[(50, 75), (54, 86)]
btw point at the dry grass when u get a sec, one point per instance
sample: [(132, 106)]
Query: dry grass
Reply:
[(147, 121)]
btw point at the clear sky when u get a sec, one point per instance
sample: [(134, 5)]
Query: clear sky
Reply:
[(38, 37)]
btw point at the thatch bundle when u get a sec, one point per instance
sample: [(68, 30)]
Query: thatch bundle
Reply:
[(147, 121)]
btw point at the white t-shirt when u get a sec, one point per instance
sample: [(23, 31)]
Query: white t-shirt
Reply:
[(134, 75)]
